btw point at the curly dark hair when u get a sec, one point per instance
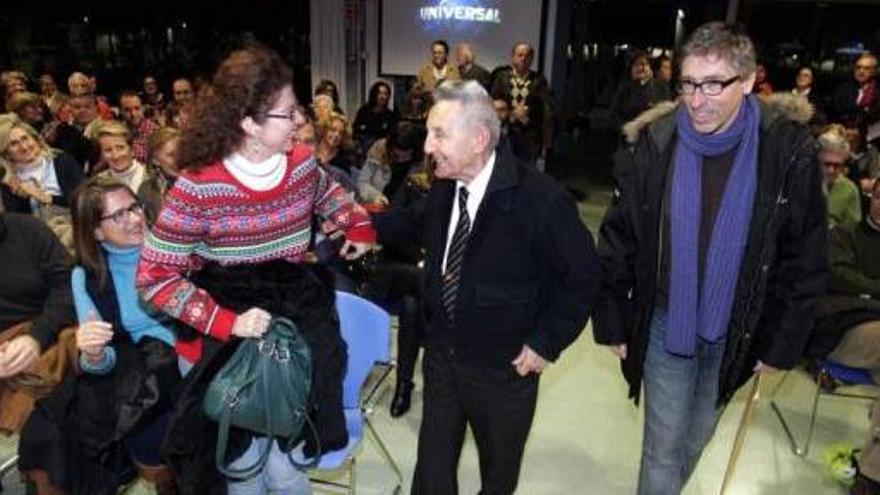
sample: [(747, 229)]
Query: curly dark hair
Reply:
[(246, 84)]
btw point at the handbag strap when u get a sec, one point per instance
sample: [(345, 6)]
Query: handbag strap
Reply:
[(313, 462), (222, 443)]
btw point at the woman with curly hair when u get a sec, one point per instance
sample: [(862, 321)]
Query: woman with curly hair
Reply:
[(242, 210), (335, 148)]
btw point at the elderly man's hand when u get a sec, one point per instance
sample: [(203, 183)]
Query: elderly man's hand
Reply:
[(18, 355), (529, 361)]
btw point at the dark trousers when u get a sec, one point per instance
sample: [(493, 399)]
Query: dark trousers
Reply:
[(497, 403)]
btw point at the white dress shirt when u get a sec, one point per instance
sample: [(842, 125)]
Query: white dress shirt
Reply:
[(476, 190)]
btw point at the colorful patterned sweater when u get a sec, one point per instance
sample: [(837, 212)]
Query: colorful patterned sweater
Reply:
[(210, 216)]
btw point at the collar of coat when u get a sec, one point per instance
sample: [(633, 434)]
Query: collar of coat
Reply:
[(660, 119)]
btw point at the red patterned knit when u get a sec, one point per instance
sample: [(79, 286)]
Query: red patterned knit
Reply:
[(210, 216)]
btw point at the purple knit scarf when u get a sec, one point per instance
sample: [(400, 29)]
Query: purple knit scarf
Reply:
[(704, 309)]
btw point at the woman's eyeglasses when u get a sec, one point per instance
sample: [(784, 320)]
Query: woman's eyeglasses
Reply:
[(122, 215), (294, 114)]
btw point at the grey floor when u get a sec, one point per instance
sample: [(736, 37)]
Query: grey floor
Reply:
[(586, 435)]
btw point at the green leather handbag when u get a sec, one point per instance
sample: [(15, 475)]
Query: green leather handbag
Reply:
[(263, 388)]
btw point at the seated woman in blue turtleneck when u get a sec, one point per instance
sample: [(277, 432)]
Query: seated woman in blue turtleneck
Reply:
[(117, 332)]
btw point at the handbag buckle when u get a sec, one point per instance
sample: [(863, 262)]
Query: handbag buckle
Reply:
[(231, 400), (282, 354), (265, 348)]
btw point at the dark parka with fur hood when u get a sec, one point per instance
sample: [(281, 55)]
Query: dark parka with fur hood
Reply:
[(784, 266)]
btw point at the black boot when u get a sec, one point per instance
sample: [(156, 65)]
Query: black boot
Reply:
[(402, 397)]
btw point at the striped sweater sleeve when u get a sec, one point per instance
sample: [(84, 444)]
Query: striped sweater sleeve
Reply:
[(333, 202), (167, 256)]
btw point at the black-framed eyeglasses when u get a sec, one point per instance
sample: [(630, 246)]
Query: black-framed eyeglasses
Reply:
[(833, 164), (291, 114), (122, 215), (712, 87)]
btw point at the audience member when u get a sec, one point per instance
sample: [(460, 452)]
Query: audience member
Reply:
[(90, 433), (162, 170), (433, 73), (335, 150), (844, 205), (374, 119), (856, 100), (139, 125), (38, 180), (52, 97), (182, 90), (763, 86), (153, 99), (639, 91), (117, 160), (328, 87), (528, 95), (389, 162), (469, 69), (864, 159)]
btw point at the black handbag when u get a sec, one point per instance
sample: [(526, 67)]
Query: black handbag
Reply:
[(264, 388)]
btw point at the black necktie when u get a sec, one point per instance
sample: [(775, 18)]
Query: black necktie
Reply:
[(456, 254)]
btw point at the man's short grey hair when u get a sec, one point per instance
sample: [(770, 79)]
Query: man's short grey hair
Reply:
[(723, 41), (475, 104)]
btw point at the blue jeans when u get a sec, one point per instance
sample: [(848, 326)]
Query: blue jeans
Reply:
[(680, 409), (279, 476)]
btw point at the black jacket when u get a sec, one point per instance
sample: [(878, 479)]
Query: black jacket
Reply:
[(784, 268), (69, 174), (529, 275)]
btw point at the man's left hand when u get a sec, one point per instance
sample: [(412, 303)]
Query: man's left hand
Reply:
[(18, 355), (528, 361), (354, 250), (763, 368)]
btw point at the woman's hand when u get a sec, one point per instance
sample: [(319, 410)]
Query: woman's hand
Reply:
[(92, 338), (18, 355), (253, 323)]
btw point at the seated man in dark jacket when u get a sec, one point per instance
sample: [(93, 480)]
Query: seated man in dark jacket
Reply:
[(849, 322)]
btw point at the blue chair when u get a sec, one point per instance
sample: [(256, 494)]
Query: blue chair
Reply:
[(828, 370), (366, 328)]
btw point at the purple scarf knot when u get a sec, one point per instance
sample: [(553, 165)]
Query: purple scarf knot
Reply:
[(697, 308)]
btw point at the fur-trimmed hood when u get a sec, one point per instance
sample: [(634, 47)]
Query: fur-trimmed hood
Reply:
[(779, 105)]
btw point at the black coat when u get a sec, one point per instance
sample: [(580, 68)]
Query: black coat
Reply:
[(302, 293), (529, 274), (784, 267)]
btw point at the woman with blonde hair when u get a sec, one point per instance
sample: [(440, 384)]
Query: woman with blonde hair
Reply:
[(161, 170), (36, 179), (114, 143), (335, 149)]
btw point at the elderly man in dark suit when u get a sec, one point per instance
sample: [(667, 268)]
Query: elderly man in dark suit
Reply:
[(510, 281)]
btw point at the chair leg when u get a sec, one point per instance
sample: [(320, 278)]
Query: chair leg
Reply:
[(798, 450), (7, 466), (352, 476), (384, 451), (741, 431)]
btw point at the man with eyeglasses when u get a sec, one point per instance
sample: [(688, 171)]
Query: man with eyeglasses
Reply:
[(842, 195), (713, 250), (857, 100)]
